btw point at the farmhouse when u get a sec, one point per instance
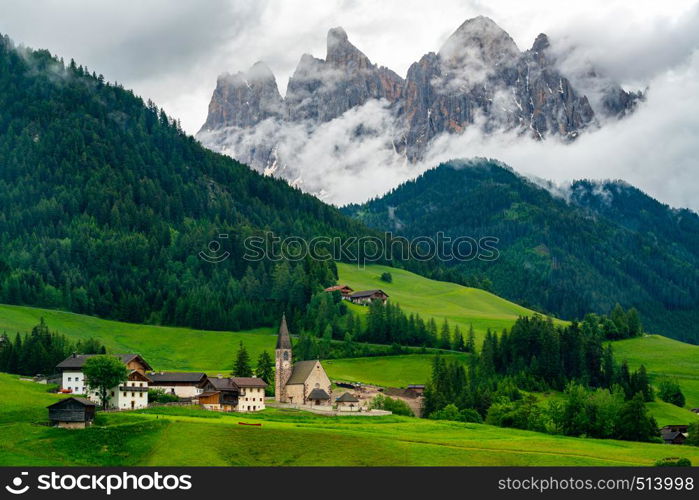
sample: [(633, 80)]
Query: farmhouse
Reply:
[(232, 394), (73, 380), (132, 394), (345, 290), (181, 384), (72, 413), (674, 434), (304, 382), (367, 296)]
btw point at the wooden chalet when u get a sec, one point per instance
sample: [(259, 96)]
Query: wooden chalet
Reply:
[(72, 413), (365, 297), (345, 290), (674, 434)]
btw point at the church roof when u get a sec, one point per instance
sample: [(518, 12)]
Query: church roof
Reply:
[(300, 371), (318, 394), (283, 340)]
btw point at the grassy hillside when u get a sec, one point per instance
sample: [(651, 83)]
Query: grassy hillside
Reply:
[(391, 371), (166, 348), (664, 356), (461, 305), (181, 436)]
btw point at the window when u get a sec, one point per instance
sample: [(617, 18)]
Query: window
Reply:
[(133, 394), (69, 379), (285, 356), (124, 394), (140, 395)]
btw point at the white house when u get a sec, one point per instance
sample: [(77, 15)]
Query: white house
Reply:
[(132, 394), (181, 384)]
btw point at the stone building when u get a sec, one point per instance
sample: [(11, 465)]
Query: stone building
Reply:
[(300, 383)]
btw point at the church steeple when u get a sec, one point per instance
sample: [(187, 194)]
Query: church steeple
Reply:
[(282, 358), (283, 340)]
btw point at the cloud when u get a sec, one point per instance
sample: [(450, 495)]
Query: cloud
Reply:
[(173, 52)]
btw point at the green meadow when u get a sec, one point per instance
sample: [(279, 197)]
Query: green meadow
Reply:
[(391, 371), (460, 305), (166, 348), (179, 436), (664, 357)]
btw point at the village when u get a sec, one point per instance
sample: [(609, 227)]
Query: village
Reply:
[(302, 385)]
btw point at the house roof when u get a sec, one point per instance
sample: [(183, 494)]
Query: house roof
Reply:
[(338, 288), (82, 401), (669, 435), (366, 293), (283, 340), (347, 398), (248, 382), (416, 386), (223, 384), (300, 371), (208, 393), (182, 377), (78, 360), (318, 394)]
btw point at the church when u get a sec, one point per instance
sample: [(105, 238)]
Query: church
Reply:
[(300, 383)]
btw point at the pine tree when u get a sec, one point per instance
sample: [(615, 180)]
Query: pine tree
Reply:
[(265, 367), (445, 336), (242, 368), (471, 342), (458, 340)]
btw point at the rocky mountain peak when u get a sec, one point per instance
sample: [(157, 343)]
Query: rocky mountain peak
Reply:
[(479, 38), (541, 43), (342, 54)]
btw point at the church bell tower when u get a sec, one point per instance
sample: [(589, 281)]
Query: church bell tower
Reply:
[(282, 356)]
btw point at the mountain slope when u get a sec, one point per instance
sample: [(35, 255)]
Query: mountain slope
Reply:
[(461, 306), (105, 205), (567, 257)]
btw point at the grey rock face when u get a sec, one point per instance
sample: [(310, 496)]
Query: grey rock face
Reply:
[(321, 90), (244, 99), (478, 78)]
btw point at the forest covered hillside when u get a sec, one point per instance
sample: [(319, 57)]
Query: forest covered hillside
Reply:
[(105, 204), (601, 244)]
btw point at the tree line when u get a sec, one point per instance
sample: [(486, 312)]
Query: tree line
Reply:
[(39, 351), (603, 398)]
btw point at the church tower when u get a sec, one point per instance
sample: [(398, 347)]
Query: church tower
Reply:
[(282, 356)]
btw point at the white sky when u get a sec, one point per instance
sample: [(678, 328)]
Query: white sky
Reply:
[(172, 52)]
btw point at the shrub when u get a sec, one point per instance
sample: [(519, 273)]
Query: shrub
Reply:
[(673, 462), (160, 396), (387, 277), (396, 406), (670, 392)]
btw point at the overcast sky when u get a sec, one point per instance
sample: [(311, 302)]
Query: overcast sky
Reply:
[(172, 52)]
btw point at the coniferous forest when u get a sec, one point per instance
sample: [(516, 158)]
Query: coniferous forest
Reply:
[(581, 251), (105, 205)]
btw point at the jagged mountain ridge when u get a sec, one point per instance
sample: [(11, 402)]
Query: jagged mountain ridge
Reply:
[(479, 77)]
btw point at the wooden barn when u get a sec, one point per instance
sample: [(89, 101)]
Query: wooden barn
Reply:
[(345, 290), (72, 413), (367, 296)]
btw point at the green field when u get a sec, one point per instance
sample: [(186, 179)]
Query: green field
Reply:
[(461, 305), (664, 356), (182, 436), (165, 348), (391, 371)]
